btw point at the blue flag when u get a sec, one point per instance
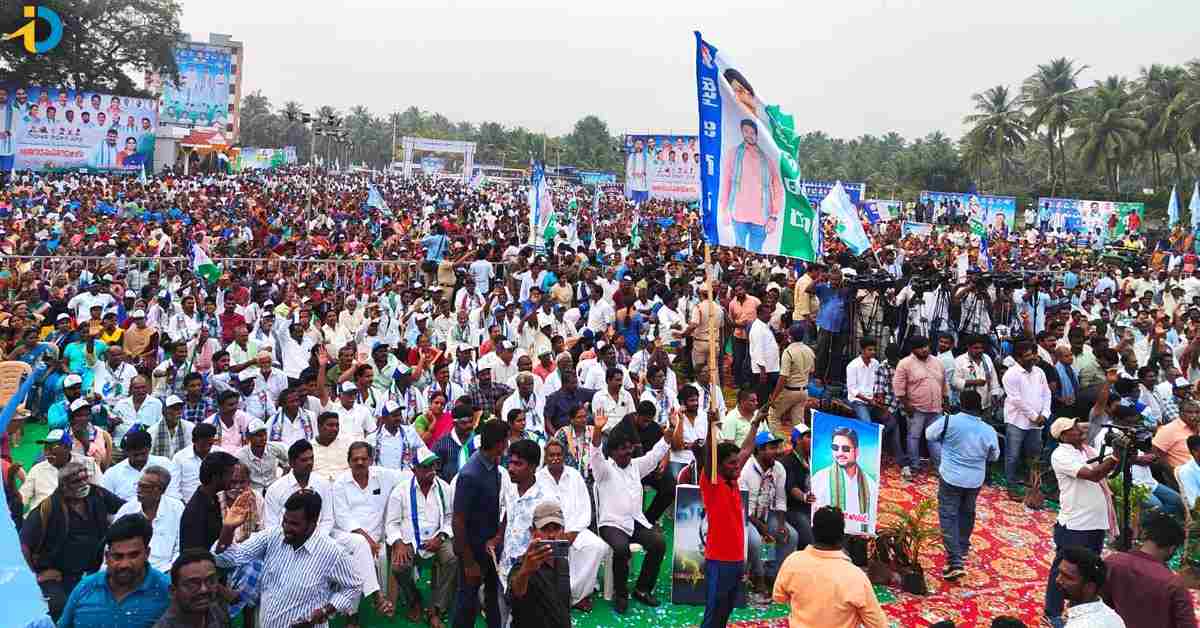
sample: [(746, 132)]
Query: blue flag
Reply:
[(871, 212), (849, 228), (1194, 206), (375, 199), (1173, 210)]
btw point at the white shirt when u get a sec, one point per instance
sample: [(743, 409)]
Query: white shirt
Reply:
[(501, 372), (1093, 615), (329, 461), (186, 474), (291, 430), (619, 491), (112, 384), (572, 494), (860, 379), (164, 544), (965, 369), (600, 315), (664, 402), (398, 450), (353, 423), (692, 431), (614, 409), (751, 481), (435, 511), (283, 488), (534, 407), (1082, 503), (1026, 396), (121, 479), (764, 350), (356, 507)]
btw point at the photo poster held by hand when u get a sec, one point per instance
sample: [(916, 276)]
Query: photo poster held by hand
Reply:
[(846, 469), (687, 550)]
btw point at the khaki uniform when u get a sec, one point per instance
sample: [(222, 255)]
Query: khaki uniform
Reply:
[(702, 313), (795, 366)]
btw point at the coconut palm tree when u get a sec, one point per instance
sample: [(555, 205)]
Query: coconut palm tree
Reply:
[(998, 127), (1158, 87), (1185, 108), (1109, 128), (1052, 95)]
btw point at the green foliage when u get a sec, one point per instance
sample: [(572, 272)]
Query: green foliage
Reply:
[(908, 532), (107, 45)]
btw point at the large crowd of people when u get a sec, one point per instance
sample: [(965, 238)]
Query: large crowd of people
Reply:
[(268, 398)]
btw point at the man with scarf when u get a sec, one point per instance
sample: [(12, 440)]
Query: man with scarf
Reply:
[(844, 485), (754, 190), (764, 479)]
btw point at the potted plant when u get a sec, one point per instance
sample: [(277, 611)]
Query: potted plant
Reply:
[(1189, 561), (909, 534), (1033, 497), (881, 567)]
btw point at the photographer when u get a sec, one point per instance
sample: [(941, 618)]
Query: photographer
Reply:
[(925, 301), (1122, 433), (1085, 515), (975, 299), (538, 589), (831, 318)]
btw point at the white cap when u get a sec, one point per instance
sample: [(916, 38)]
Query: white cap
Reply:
[(138, 314), (78, 404), (1182, 382), (391, 407), (72, 380), (256, 425), (63, 317), (246, 375), (173, 400), (348, 387), (130, 294)]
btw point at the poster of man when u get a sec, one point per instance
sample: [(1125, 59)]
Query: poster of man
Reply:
[(687, 550), (845, 462)]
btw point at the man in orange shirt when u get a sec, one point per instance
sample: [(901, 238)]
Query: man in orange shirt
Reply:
[(820, 584), (725, 549), (1170, 441)]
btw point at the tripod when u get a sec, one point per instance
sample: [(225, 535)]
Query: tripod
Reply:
[(927, 321), (1125, 469)]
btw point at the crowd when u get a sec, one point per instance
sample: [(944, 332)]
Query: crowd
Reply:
[(359, 392)]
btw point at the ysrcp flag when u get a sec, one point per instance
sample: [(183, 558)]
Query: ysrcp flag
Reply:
[(540, 205), (849, 226), (749, 177)]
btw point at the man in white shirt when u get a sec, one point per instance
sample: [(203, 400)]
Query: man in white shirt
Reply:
[(122, 478), (330, 450), (1081, 576), (294, 350), (290, 422), (526, 399), (620, 517), (974, 370), (613, 400), (355, 420), (763, 352), (360, 498), (162, 511), (587, 550), (861, 373), (1026, 409), (420, 495), (502, 361), (186, 462), (112, 377), (1085, 506), (764, 479), (396, 443)]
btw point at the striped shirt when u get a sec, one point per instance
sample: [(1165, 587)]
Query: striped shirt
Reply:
[(294, 582)]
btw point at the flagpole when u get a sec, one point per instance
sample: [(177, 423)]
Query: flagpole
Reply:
[(712, 356)]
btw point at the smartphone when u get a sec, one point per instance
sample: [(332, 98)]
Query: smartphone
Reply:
[(559, 547)]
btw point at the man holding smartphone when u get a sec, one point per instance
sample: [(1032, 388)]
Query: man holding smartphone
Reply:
[(539, 587)]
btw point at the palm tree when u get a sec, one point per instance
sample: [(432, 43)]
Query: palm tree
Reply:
[(998, 127), (1052, 95), (1158, 87), (1185, 109), (1109, 127)]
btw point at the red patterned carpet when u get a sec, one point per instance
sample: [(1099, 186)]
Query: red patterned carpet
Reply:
[(1010, 558)]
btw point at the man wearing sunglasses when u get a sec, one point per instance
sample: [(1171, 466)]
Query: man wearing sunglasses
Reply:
[(844, 485)]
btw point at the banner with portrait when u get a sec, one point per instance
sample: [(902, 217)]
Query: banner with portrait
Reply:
[(752, 195), (662, 166), (876, 210), (985, 214), (1089, 217), (201, 97), (687, 549), (53, 129), (251, 158), (919, 229), (592, 177), (846, 469)]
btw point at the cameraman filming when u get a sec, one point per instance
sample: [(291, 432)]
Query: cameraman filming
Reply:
[(975, 298), (1162, 497), (1086, 506)]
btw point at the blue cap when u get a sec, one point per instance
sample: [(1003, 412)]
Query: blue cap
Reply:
[(765, 438)]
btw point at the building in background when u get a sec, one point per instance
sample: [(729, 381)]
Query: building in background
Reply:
[(208, 96)]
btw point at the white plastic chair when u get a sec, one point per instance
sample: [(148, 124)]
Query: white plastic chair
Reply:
[(606, 565)]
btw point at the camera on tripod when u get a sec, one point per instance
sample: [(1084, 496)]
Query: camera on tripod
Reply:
[(1008, 280), (1129, 437), (879, 280)]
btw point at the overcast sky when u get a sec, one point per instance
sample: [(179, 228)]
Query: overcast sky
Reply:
[(847, 68)]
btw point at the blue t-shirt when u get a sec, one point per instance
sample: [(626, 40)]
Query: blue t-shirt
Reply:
[(832, 314), (435, 247), (92, 605)]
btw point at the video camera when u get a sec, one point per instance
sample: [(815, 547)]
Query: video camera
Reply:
[(1122, 437), (879, 280)]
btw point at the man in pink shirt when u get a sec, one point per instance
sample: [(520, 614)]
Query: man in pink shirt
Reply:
[(920, 385), (754, 190)]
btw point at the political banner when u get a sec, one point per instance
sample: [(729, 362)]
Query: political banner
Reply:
[(588, 177), (846, 469), (1089, 217), (982, 212), (662, 166), (201, 97), (54, 129), (687, 548), (751, 192), (877, 210), (921, 229), (816, 191), (251, 158)]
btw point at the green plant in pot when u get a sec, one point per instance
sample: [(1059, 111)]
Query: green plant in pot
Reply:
[(1189, 560), (908, 533)]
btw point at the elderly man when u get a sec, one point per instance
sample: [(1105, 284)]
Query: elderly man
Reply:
[(360, 498), (162, 511), (419, 530), (61, 552), (587, 550), (138, 407), (42, 479), (172, 434)]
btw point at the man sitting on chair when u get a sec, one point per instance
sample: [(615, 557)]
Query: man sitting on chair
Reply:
[(419, 529)]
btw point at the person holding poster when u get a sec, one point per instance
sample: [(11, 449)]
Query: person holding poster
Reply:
[(754, 193), (842, 448)]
